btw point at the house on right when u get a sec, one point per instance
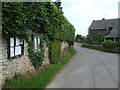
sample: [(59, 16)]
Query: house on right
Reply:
[(110, 29)]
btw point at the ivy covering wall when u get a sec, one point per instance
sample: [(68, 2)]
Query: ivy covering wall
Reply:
[(42, 18), (55, 52)]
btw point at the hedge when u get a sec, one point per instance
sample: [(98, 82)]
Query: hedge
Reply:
[(109, 44)]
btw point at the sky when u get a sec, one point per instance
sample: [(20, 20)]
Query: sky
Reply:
[(81, 13)]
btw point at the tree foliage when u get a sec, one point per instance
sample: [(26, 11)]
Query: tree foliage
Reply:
[(89, 40), (99, 38)]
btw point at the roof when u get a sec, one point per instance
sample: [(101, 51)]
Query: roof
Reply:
[(113, 34), (104, 24)]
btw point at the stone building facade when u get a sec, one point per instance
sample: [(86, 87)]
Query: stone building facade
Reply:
[(108, 27), (20, 64), (17, 65), (64, 48)]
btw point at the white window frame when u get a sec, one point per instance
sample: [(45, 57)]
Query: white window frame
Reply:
[(36, 40)]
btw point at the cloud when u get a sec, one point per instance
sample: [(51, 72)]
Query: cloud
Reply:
[(96, 16), (82, 6), (113, 13), (107, 1), (70, 1), (82, 12)]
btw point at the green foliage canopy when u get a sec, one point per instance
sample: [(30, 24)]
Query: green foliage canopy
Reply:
[(40, 17), (99, 38)]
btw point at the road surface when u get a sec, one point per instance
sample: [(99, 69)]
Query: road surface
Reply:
[(88, 69)]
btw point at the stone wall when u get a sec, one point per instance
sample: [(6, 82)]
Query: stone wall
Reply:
[(116, 49), (64, 48), (46, 55), (94, 33), (10, 67), (0, 61), (21, 65)]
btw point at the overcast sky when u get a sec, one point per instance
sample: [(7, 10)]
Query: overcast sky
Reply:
[(81, 13)]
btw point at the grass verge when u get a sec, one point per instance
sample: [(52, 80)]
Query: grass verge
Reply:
[(100, 50), (40, 79)]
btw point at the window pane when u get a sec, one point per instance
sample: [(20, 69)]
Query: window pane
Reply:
[(35, 43), (17, 41), (38, 40), (17, 50), (21, 41), (11, 41), (12, 52)]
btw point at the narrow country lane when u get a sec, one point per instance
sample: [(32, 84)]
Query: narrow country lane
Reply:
[(88, 69)]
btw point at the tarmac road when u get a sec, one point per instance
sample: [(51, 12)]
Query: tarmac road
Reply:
[(88, 69)]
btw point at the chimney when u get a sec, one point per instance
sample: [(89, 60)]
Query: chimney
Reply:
[(103, 18)]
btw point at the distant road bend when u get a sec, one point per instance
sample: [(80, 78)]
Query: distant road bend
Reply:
[(88, 69)]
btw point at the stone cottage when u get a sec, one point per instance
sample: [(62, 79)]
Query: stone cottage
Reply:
[(15, 58), (19, 54), (14, 55), (108, 27)]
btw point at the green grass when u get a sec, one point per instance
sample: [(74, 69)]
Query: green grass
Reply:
[(100, 50), (40, 79)]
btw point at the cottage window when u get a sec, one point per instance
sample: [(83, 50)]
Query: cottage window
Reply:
[(110, 28), (36, 39), (16, 47)]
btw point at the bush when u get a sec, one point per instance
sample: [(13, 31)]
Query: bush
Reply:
[(99, 38), (89, 40), (109, 44), (55, 52), (118, 43), (36, 59)]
